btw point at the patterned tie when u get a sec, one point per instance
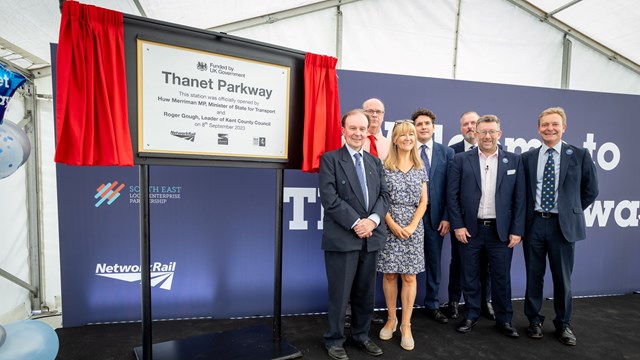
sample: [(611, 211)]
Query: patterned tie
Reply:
[(363, 184), (548, 183), (373, 148), (472, 147)]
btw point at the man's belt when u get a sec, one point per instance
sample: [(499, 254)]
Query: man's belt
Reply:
[(546, 215), (487, 222)]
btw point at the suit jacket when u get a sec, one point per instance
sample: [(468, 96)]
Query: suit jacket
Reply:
[(464, 192), (577, 188), (343, 201), (441, 158), (458, 147)]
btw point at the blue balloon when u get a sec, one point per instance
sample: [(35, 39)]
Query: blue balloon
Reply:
[(9, 83), (15, 148), (29, 340)]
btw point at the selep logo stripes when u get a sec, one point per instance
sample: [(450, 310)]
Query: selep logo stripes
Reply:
[(108, 193)]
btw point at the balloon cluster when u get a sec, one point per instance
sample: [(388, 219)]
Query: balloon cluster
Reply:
[(14, 148), (28, 340)]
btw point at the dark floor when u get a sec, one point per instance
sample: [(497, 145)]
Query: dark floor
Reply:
[(606, 328)]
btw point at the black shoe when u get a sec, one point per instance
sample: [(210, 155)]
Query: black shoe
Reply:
[(487, 311), (337, 352), (377, 320), (454, 313), (466, 325), (347, 322), (370, 348), (535, 330), (508, 330), (438, 316), (566, 336)]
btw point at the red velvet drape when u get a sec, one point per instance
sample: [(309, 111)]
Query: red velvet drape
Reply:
[(321, 110), (92, 125)]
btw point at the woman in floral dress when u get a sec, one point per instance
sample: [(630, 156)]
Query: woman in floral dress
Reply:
[(403, 254)]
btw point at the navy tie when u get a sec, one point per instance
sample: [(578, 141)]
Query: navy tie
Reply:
[(425, 159), (427, 165), (363, 184), (548, 195)]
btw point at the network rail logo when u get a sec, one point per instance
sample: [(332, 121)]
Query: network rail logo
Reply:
[(108, 192), (161, 273), (187, 135)]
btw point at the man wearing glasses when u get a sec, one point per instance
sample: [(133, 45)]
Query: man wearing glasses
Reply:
[(468, 131), (486, 199), (376, 143)]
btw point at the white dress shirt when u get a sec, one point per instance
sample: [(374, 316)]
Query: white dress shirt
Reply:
[(488, 174)]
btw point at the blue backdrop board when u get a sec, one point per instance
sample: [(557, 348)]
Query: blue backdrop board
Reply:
[(212, 231)]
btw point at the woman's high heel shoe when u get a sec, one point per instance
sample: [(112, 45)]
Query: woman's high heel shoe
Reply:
[(406, 343), (386, 334)]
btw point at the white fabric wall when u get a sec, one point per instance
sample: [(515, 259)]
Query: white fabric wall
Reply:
[(417, 40), (313, 33)]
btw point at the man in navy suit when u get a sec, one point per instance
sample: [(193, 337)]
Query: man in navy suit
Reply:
[(486, 198), (561, 183), (468, 131), (355, 199), (437, 159)]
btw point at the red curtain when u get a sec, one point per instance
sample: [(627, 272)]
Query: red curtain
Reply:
[(321, 110), (92, 126)]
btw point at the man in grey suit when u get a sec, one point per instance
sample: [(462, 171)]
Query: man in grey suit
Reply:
[(561, 183), (437, 159), (486, 198), (355, 199)]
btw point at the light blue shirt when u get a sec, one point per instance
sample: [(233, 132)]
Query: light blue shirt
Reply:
[(542, 160), (374, 217)]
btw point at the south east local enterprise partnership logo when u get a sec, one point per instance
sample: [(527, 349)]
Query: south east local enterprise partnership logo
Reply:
[(107, 192), (161, 273)]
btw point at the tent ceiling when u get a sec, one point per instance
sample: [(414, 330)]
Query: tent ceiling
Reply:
[(30, 25)]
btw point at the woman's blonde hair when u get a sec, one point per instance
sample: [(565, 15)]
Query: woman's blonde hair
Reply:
[(400, 128)]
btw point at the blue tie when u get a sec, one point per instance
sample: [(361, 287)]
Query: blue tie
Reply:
[(427, 165), (363, 184), (548, 195), (425, 159)]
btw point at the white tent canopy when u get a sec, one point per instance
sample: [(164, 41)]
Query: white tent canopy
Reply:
[(580, 44)]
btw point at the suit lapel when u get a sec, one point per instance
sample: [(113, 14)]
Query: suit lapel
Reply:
[(502, 168), (435, 159), (350, 170), (533, 172), (474, 160), (370, 170), (565, 159)]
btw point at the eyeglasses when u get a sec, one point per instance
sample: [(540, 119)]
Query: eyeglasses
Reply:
[(490, 132), (374, 112), (402, 122)]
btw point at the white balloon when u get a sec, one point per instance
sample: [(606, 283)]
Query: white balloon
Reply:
[(14, 148), (29, 340)]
